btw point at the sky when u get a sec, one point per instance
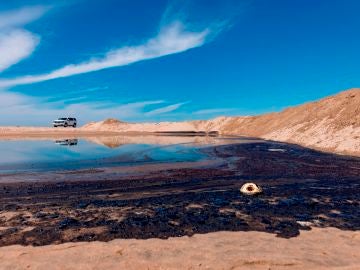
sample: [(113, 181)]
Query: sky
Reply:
[(164, 60)]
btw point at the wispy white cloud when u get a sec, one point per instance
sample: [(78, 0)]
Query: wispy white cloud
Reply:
[(16, 43), (21, 17), (165, 109), (20, 109), (88, 90), (75, 95), (15, 46), (171, 39)]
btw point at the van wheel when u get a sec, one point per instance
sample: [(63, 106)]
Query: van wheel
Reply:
[(65, 125), (74, 126)]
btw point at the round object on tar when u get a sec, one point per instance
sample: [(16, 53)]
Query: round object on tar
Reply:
[(250, 189)]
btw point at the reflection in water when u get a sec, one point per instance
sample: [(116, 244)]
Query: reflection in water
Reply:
[(34, 154), (117, 141), (67, 142)]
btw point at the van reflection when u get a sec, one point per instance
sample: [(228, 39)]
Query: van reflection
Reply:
[(67, 142)]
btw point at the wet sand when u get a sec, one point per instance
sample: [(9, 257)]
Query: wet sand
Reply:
[(307, 194)]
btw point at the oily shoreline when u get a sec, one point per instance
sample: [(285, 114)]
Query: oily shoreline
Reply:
[(303, 188)]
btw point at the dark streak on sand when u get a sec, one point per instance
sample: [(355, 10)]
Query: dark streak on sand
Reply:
[(301, 187)]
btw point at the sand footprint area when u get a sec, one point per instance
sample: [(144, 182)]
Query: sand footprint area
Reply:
[(319, 248)]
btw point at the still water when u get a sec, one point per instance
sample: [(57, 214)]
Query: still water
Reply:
[(75, 153)]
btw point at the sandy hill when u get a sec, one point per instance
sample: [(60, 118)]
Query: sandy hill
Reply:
[(331, 124)]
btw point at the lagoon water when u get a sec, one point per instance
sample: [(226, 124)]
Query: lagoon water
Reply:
[(69, 154)]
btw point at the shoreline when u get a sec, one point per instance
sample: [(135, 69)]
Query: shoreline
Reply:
[(42, 133), (299, 185), (50, 132), (110, 173), (188, 214)]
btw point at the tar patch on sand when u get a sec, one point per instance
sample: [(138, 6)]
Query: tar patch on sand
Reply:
[(301, 188)]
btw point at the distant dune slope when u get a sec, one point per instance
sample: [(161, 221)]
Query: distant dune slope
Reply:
[(331, 124)]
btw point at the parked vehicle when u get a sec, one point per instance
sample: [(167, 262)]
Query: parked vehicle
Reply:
[(65, 122)]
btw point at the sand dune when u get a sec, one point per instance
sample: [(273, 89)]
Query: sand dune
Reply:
[(330, 124), (313, 249)]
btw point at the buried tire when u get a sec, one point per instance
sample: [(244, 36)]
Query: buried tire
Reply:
[(250, 189)]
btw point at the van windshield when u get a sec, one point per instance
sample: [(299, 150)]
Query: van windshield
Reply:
[(62, 118)]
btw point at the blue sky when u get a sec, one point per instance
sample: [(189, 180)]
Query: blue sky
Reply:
[(172, 60)]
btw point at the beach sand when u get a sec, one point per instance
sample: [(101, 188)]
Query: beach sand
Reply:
[(325, 248)]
